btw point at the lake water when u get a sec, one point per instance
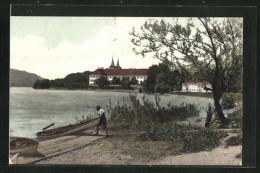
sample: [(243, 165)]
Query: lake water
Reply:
[(31, 110)]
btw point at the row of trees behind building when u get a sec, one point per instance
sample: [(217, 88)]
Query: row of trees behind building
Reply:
[(161, 79)]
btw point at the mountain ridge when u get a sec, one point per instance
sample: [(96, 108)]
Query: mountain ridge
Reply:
[(21, 78)]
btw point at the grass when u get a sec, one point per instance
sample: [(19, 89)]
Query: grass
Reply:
[(139, 149)]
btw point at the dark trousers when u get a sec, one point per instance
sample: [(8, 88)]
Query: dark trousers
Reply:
[(103, 122)]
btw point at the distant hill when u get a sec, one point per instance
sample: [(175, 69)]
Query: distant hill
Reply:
[(20, 78)]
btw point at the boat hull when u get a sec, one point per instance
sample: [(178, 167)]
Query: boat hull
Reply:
[(48, 134), (22, 145)]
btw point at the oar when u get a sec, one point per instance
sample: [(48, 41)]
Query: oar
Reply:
[(48, 126)]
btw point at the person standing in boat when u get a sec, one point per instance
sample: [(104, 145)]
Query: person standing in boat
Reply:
[(102, 120)]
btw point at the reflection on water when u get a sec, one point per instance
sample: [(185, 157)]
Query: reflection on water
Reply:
[(31, 110)]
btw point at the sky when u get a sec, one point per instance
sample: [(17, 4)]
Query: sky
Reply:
[(53, 47)]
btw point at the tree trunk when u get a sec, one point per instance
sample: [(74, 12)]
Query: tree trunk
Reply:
[(219, 111)]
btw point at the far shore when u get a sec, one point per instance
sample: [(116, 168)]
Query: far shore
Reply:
[(117, 90), (176, 93)]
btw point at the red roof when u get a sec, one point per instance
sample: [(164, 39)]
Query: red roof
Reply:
[(195, 81), (120, 72)]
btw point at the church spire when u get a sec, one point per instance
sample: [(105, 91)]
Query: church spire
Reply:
[(112, 66), (112, 63), (117, 64)]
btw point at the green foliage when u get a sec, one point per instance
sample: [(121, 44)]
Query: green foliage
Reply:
[(214, 50), (102, 82), (133, 81), (161, 132), (202, 139), (133, 115), (228, 102), (150, 82), (238, 97), (161, 79), (235, 119), (125, 83), (115, 81), (194, 140), (71, 81), (216, 123), (235, 140), (37, 84), (42, 84)]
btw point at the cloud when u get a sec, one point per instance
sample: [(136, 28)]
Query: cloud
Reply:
[(33, 54)]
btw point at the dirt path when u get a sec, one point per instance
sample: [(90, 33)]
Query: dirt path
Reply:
[(217, 156), (92, 155)]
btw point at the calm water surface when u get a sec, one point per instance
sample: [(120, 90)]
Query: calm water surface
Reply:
[(31, 110)]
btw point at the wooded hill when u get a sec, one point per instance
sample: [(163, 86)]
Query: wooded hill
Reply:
[(20, 78)]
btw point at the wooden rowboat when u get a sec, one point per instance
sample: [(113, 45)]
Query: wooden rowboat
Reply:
[(66, 130), (23, 145)]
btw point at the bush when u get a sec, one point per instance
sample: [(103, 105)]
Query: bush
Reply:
[(161, 132), (216, 123), (228, 102), (238, 97), (132, 115), (194, 140), (202, 139), (235, 140), (235, 119)]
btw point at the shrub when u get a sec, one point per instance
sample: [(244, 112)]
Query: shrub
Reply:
[(194, 140), (235, 140), (161, 132), (202, 139), (238, 97), (216, 123), (235, 119), (133, 115), (228, 102)]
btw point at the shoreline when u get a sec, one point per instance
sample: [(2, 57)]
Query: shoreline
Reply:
[(113, 90), (125, 91), (97, 155)]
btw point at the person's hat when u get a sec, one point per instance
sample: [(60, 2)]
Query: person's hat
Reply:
[(98, 108)]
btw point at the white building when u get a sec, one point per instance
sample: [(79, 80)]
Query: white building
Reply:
[(195, 86), (139, 74)]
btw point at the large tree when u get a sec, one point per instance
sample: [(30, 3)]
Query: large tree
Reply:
[(210, 46), (102, 81)]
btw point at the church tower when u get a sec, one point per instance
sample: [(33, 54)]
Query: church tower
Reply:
[(112, 66), (112, 63), (117, 64)]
